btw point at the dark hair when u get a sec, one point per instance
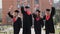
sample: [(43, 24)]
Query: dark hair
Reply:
[(48, 10), (16, 11), (38, 10)]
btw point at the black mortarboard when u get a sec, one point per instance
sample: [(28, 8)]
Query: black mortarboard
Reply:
[(38, 10), (27, 7), (16, 11), (48, 10)]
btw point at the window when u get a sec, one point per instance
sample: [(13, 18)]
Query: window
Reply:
[(36, 1), (18, 4)]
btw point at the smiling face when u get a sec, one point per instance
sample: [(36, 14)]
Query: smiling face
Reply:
[(37, 13), (15, 14), (47, 12)]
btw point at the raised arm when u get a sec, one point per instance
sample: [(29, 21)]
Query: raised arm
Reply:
[(22, 10), (52, 11), (10, 15), (34, 16)]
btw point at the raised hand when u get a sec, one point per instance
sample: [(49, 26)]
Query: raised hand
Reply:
[(10, 8)]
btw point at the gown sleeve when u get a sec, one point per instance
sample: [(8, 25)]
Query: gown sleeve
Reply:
[(43, 18), (11, 16), (34, 16), (31, 20), (20, 22), (42, 23), (22, 10), (52, 12)]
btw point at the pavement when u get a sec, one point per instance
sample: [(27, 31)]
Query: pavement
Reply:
[(32, 31), (11, 30)]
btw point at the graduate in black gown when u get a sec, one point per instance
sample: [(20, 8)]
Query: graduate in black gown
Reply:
[(49, 24), (17, 21), (27, 19), (38, 22)]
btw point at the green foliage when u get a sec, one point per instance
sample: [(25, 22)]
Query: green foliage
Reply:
[(57, 17)]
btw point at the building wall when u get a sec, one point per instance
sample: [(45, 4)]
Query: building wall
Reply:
[(5, 8), (43, 4)]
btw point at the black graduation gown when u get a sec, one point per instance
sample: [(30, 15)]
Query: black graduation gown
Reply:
[(27, 22), (17, 24), (38, 24), (49, 24)]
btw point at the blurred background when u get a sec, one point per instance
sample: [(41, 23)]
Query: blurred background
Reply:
[(6, 22)]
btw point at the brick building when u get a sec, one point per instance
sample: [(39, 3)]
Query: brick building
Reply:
[(43, 4)]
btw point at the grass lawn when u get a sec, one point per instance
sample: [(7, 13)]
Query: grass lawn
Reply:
[(11, 31), (57, 31)]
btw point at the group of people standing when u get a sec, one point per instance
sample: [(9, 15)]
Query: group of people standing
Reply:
[(28, 21)]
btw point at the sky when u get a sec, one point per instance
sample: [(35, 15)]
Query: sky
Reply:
[(55, 1), (0, 3)]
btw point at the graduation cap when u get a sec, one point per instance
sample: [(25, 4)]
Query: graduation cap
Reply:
[(16, 11), (48, 10), (27, 7), (38, 10)]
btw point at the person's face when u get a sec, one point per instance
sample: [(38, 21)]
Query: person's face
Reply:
[(47, 13), (15, 14), (28, 9), (37, 13)]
